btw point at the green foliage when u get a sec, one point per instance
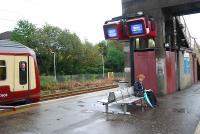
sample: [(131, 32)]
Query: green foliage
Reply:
[(92, 58), (24, 32), (72, 55), (115, 57), (102, 47)]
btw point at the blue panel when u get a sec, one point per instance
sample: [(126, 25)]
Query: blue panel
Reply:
[(137, 28), (187, 66), (112, 32)]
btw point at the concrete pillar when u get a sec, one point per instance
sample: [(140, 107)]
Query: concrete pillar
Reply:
[(160, 51), (127, 62), (160, 10)]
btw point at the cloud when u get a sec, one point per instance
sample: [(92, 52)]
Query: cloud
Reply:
[(85, 18)]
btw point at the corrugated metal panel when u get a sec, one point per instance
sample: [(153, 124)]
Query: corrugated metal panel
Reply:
[(194, 70), (171, 72), (145, 63)]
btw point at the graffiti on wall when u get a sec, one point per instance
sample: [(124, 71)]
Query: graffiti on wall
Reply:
[(160, 67)]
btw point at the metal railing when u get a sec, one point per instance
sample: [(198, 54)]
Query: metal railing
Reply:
[(192, 42), (79, 77), (190, 39)]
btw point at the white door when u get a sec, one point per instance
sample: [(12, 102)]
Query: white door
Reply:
[(21, 73)]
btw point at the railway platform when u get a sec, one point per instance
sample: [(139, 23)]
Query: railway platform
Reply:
[(176, 114)]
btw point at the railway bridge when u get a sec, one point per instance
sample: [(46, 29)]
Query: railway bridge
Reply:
[(173, 62)]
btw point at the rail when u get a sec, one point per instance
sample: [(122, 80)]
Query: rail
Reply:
[(190, 39), (192, 42), (76, 92)]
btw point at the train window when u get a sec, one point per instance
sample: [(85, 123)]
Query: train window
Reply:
[(2, 70), (22, 72)]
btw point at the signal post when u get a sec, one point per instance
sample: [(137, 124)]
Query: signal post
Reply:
[(127, 29)]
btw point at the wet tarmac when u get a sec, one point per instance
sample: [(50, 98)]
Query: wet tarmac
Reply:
[(178, 113)]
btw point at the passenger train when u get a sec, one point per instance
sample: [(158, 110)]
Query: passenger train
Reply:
[(19, 75)]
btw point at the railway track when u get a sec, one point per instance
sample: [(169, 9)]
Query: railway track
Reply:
[(76, 92)]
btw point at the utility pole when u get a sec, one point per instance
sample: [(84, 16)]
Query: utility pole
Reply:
[(132, 68), (54, 64), (54, 59), (103, 66)]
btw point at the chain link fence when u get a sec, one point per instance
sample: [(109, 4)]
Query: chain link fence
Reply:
[(50, 80)]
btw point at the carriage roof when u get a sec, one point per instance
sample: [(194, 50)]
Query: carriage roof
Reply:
[(7, 46)]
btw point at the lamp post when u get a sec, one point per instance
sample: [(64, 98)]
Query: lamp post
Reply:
[(103, 66), (102, 49), (132, 67), (54, 63), (103, 61)]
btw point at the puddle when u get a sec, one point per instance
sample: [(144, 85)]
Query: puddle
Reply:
[(87, 111), (65, 108), (179, 110), (81, 105), (28, 133), (81, 102), (58, 119)]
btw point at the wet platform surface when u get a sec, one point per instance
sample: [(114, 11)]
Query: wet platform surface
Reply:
[(178, 113)]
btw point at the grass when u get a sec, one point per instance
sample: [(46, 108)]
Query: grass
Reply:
[(69, 82), (74, 82)]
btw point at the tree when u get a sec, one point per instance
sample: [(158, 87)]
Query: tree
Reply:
[(46, 44), (102, 47), (92, 58), (71, 52), (72, 55), (24, 33), (114, 61)]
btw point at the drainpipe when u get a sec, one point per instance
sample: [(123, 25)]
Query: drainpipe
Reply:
[(177, 53), (132, 67)]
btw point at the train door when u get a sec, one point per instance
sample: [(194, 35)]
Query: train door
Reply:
[(32, 76), (21, 74)]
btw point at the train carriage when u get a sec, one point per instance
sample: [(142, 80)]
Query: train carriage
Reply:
[(19, 75)]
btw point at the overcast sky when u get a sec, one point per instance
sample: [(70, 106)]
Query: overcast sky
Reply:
[(193, 22), (84, 17)]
